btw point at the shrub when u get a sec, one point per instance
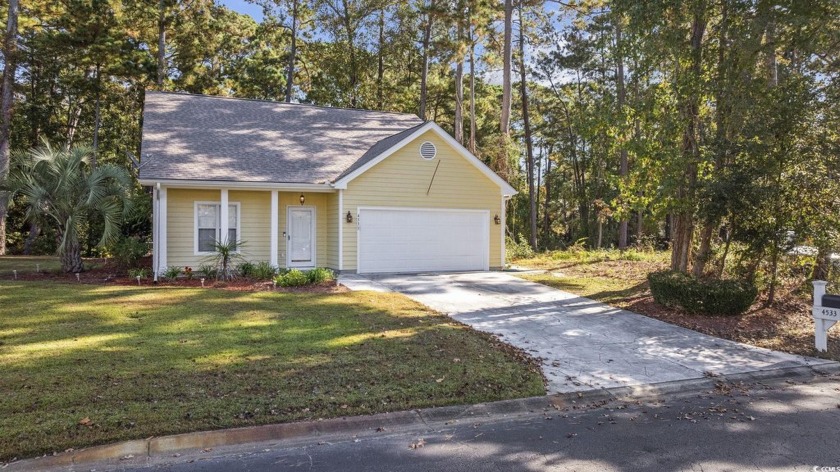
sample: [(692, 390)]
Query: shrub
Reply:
[(320, 275), (246, 269), (127, 251), (141, 272), (207, 271), (708, 297), (292, 278), (172, 272), (264, 271), (518, 250)]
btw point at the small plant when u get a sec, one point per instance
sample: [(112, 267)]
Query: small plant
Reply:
[(320, 275), (246, 269), (223, 257), (141, 272), (207, 271), (188, 272), (292, 278), (264, 271), (518, 250), (709, 297), (172, 272)]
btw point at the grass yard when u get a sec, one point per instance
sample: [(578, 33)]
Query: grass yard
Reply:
[(31, 264), (89, 364), (621, 280)]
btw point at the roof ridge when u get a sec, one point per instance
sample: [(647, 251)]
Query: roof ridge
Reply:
[(276, 102)]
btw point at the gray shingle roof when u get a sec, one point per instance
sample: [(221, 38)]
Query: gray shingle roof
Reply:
[(200, 137)]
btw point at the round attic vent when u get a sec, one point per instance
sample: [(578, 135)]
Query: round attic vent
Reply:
[(428, 150)]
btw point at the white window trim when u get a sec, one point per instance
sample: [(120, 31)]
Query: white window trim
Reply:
[(238, 206)]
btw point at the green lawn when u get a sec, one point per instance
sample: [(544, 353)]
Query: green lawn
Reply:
[(607, 276), (30, 264), (89, 364)]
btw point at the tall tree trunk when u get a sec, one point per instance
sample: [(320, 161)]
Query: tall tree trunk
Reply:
[(823, 267), (459, 91), (473, 126), (380, 60), (546, 229), (290, 67), (427, 38), (722, 110), (624, 167), (683, 218), (6, 103), (71, 257), (161, 52), (34, 232), (506, 69), (529, 145), (97, 116)]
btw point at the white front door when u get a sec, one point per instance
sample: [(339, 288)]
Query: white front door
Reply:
[(300, 237)]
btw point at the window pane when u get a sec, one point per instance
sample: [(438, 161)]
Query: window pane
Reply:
[(207, 216), (231, 216), (206, 239), (232, 235)]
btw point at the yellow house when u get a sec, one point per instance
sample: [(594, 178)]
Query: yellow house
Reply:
[(306, 186)]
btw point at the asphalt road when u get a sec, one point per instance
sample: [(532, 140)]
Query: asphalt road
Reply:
[(787, 426)]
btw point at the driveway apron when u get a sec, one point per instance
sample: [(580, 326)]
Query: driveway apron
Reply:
[(584, 344)]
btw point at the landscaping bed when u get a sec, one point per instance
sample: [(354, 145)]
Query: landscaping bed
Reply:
[(785, 326), (86, 364)]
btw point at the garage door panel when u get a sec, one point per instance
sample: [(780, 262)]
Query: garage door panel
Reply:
[(408, 240)]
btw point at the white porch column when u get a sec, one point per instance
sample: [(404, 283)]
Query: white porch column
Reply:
[(274, 223), (161, 236), (340, 230), (224, 215)]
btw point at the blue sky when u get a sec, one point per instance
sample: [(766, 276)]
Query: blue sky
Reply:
[(242, 6)]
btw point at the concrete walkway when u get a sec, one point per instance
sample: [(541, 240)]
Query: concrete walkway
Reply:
[(583, 344)]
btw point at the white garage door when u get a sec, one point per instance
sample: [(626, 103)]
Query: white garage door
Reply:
[(421, 240)]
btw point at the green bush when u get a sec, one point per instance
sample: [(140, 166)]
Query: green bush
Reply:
[(208, 271), (246, 269), (292, 278), (708, 297), (320, 275), (518, 250), (172, 272), (127, 251), (264, 271)]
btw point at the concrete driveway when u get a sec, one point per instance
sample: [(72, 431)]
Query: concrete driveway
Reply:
[(583, 344)]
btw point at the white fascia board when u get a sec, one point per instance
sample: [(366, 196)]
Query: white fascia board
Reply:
[(505, 187), (217, 184)]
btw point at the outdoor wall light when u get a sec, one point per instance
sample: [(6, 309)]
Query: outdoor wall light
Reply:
[(302, 199), (349, 217), (497, 220)]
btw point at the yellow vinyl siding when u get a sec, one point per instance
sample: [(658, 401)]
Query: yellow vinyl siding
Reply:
[(255, 224), (403, 179)]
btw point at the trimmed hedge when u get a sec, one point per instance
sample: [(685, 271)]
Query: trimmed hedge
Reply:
[(707, 297)]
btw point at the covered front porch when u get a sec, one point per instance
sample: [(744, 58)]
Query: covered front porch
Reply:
[(286, 228)]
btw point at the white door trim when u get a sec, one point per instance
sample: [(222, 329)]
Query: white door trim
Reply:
[(360, 223), (313, 235)]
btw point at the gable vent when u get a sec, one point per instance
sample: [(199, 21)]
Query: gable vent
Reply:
[(428, 150)]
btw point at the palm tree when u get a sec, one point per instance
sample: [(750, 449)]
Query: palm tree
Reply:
[(60, 187)]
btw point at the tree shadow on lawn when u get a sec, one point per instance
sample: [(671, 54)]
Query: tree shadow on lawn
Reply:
[(151, 361)]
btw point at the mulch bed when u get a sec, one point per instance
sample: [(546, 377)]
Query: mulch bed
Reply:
[(786, 325), (108, 275)]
